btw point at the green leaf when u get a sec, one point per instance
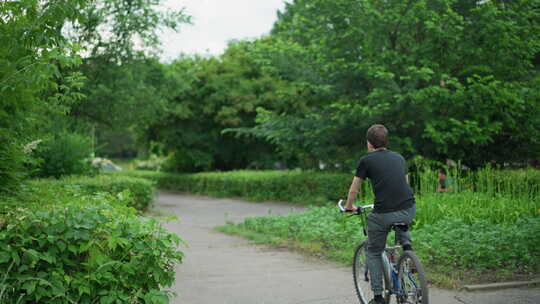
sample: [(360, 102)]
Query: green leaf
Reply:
[(5, 257)]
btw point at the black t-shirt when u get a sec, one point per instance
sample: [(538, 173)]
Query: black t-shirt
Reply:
[(386, 171)]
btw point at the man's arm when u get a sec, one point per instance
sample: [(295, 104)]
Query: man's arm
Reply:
[(353, 191)]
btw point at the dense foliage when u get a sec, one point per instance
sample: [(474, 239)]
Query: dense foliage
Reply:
[(43, 76), (61, 154), (33, 53), (76, 240), (207, 96), (482, 245), (141, 191), (450, 79), (124, 88), (286, 186)]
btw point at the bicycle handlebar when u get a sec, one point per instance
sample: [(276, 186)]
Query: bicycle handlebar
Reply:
[(358, 208)]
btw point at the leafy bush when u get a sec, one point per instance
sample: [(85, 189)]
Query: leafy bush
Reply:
[(141, 190), (291, 186), (12, 159), (482, 245), (92, 250), (42, 192), (320, 224), (64, 154), (76, 240)]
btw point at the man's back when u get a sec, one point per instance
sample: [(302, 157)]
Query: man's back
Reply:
[(387, 171)]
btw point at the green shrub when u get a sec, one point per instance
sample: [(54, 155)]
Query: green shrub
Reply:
[(291, 186), (91, 250), (481, 244), (12, 159), (317, 224), (43, 192), (142, 190), (189, 160), (64, 154)]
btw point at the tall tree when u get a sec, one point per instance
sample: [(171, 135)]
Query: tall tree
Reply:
[(210, 95), (121, 41), (450, 78)]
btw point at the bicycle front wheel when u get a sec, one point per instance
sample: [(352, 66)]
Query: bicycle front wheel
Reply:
[(361, 276), (413, 287)]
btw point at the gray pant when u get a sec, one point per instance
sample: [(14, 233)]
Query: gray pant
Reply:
[(379, 225)]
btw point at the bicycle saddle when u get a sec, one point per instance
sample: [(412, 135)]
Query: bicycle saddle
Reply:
[(400, 226)]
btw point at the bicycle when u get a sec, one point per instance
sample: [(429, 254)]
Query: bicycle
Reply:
[(405, 279)]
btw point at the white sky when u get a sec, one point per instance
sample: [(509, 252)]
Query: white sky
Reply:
[(217, 21)]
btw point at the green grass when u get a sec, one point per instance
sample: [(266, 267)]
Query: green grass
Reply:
[(473, 206), (517, 183), (454, 250)]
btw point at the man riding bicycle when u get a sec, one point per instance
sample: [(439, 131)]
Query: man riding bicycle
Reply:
[(394, 201)]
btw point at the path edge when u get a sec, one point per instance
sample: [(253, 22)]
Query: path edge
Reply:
[(492, 286)]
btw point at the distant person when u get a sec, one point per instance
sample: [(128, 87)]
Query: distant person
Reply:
[(394, 201), (446, 183)]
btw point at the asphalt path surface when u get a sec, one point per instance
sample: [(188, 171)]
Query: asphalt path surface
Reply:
[(222, 269)]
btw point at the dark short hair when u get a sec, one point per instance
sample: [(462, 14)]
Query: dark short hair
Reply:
[(377, 136)]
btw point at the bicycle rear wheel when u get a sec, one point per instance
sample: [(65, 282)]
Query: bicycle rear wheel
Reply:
[(361, 276), (413, 284)]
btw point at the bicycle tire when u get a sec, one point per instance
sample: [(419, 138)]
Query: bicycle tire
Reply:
[(413, 283), (362, 284)]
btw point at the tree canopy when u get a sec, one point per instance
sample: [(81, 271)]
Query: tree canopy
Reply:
[(450, 79), (49, 53)]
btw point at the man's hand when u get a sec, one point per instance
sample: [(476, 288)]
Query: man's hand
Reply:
[(351, 209)]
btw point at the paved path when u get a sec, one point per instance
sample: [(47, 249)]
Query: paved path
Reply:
[(220, 269)]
